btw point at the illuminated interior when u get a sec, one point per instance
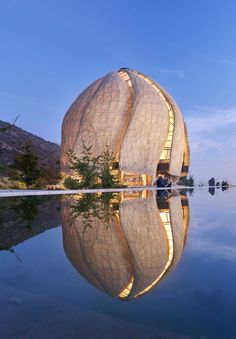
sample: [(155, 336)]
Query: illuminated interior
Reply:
[(129, 179), (165, 217), (127, 109), (132, 179), (130, 283), (165, 155), (123, 74), (126, 291), (185, 208), (186, 155)]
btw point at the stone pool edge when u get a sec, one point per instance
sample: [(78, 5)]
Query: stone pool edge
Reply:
[(16, 193)]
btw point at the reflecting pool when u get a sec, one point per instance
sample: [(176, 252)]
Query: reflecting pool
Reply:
[(115, 265)]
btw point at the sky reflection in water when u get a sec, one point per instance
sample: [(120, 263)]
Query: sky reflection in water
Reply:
[(178, 276)]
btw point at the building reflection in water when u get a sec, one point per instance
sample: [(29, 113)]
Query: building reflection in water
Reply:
[(125, 245)]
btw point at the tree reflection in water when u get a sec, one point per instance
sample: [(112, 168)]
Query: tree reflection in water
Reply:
[(125, 244), (90, 206), (22, 218)]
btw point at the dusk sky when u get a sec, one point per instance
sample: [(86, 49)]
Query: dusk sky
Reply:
[(52, 50)]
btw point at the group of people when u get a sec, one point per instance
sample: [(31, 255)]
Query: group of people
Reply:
[(212, 182), (163, 181)]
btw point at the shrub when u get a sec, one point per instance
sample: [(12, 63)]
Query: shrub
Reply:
[(93, 172), (71, 183), (86, 166), (25, 167), (106, 161)]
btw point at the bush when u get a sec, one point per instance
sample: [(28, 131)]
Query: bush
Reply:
[(71, 183), (92, 172), (6, 183), (86, 166), (186, 181), (25, 168), (106, 161)]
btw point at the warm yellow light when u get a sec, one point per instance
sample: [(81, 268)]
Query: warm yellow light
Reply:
[(165, 217), (165, 155), (125, 76), (127, 289)]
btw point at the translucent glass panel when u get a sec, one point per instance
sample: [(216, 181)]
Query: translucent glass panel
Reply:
[(165, 217), (125, 76), (127, 290), (165, 155)]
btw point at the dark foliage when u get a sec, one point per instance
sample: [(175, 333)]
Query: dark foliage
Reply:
[(186, 181), (91, 206), (106, 161), (92, 172), (25, 168), (86, 167)]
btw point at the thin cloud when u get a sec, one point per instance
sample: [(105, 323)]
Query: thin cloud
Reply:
[(27, 100), (205, 121), (208, 119), (172, 72), (201, 143), (210, 59), (215, 249), (14, 97), (202, 241)]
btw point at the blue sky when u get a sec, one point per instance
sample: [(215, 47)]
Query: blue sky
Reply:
[(51, 50)]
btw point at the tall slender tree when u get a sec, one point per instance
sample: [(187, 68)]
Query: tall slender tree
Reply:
[(27, 166), (86, 167), (108, 179)]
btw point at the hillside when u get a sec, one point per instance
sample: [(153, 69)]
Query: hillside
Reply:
[(12, 141), (23, 217)]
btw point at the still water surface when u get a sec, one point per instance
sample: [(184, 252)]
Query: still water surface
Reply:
[(125, 265)]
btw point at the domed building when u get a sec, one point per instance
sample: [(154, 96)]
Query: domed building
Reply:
[(135, 251), (139, 122)]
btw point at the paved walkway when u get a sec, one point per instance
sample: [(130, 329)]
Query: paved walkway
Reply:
[(16, 193)]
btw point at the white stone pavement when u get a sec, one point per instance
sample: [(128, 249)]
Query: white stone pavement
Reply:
[(16, 193)]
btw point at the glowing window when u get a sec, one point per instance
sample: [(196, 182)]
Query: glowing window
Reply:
[(165, 217), (165, 155)]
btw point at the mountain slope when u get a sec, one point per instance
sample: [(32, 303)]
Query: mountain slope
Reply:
[(13, 139)]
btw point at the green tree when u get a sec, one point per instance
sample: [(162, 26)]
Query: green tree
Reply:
[(187, 181), (106, 162), (191, 180), (92, 171), (94, 206), (26, 165), (72, 184), (27, 209), (86, 167)]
